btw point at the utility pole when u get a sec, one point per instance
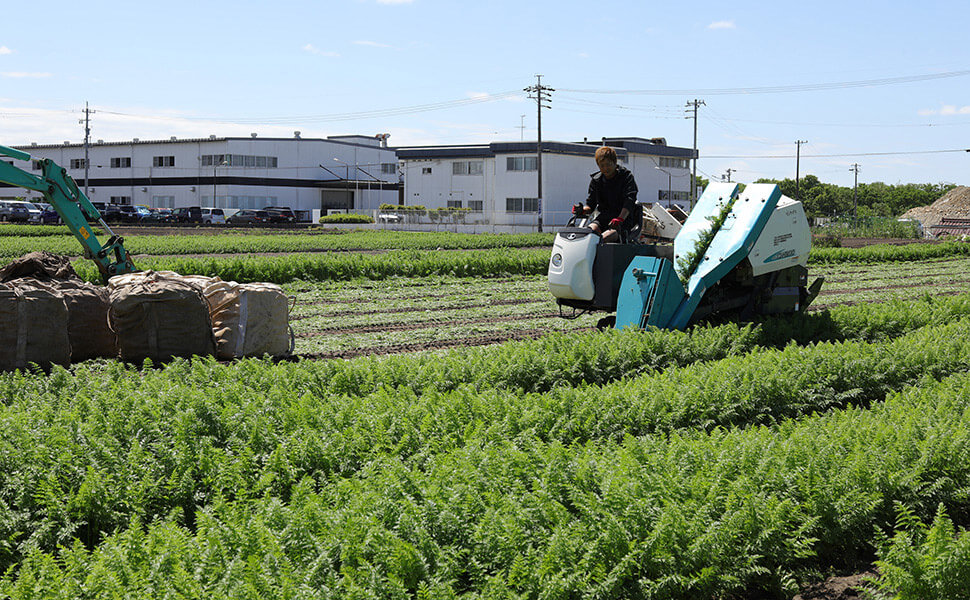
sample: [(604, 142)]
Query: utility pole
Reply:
[(541, 94), (855, 190), (729, 171), (86, 121), (692, 107), (522, 128), (798, 160)]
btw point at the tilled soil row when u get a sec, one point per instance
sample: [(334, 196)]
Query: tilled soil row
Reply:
[(355, 301), (483, 340), (421, 325), (414, 309), (817, 307), (874, 278), (901, 286)]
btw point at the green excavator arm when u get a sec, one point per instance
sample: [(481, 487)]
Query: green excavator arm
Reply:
[(61, 192)]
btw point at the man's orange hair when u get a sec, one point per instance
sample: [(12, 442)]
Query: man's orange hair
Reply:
[(606, 153)]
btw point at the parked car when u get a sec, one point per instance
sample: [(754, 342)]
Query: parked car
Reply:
[(49, 215), (188, 214), (213, 216), (159, 215), (111, 213), (142, 213), (280, 214), (127, 214), (33, 212), (17, 212), (249, 216), (101, 207)]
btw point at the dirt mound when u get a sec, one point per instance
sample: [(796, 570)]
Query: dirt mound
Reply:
[(953, 204)]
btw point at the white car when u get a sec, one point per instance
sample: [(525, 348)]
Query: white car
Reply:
[(213, 216)]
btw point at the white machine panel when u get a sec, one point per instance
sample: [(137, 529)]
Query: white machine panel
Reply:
[(785, 241), (571, 265)]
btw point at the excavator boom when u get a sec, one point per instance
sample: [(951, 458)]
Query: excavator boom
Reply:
[(60, 191)]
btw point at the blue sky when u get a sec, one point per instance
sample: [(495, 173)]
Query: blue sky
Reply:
[(452, 72)]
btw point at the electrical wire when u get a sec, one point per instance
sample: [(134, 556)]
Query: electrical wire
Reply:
[(850, 154), (779, 89)]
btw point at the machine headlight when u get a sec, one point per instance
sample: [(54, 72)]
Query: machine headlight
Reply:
[(557, 260)]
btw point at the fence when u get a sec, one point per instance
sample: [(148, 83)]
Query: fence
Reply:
[(870, 227)]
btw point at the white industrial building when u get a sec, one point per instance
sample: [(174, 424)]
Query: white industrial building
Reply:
[(497, 183), (311, 176)]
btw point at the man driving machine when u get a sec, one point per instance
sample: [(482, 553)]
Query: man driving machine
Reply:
[(614, 191)]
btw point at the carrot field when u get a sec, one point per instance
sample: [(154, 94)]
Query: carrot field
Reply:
[(442, 433)]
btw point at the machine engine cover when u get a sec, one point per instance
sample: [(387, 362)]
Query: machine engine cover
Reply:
[(571, 264)]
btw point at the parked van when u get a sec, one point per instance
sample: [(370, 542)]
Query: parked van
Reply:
[(188, 214), (213, 216)]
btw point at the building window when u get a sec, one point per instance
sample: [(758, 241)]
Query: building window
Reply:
[(662, 195), (520, 163), (467, 167), (475, 206), (521, 205), (426, 170), (388, 168), (454, 204), (78, 163), (124, 200), (35, 165), (121, 162), (163, 201), (674, 163), (240, 160), (163, 161)]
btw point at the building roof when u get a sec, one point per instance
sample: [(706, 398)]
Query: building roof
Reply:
[(624, 146), (348, 140)]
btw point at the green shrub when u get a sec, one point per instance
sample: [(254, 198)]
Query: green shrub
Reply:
[(924, 563), (346, 218)]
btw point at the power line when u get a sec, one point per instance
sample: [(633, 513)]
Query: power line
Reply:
[(777, 89), (849, 154), (879, 125)]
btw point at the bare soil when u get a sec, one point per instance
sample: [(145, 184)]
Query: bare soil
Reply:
[(484, 340), (836, 588), (862, 242)]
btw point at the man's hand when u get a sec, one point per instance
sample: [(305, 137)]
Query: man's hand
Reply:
[(616, 223), (579, 210)]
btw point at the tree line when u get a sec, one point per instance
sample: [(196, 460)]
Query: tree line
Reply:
[(875, 199)]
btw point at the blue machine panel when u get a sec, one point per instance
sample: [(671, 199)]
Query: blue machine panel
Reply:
[(652, 294), (730, 245), (649, 294)]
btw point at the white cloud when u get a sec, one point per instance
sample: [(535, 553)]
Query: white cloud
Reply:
[(311, 49), (722, 25), (23, 75), (371, 44), (953, 110), (5, 50), (20, 125), (947, 110)]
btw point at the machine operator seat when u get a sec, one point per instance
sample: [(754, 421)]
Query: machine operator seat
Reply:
[(631, 234)]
